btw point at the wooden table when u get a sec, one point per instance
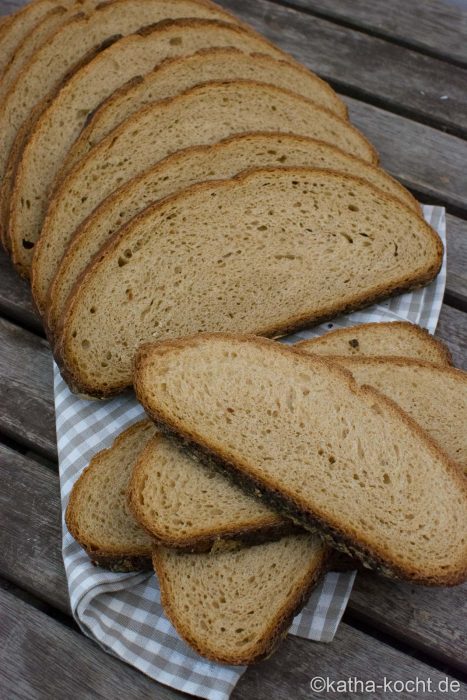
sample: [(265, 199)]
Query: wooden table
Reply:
[(402, 67)]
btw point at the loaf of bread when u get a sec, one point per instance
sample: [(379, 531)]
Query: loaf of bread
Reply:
[(216, 110), (204, 65), (16, 27), (46, 25), (97, 515), (60, 124), (332, 454), (235, 607), (81, 36), (179, 171), (267, 252), (396, 338)]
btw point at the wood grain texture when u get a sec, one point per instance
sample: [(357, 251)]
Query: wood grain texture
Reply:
[(456, 287), (26, 389), (30, 556), (424, 159), (364, 66), (438, 27), (30, 530), (429, 619), (288, 674), (41, 659), (452, 328), (15, 296)]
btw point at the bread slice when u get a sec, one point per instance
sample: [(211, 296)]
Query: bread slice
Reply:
[(62, 121), (217, 110), (186, 505), (97, 516), (331, 454), (36, 36), (269, 251), (82, 34), (435, 397), (204, 65), (396, 338), (174, 173), (235, 607), (18, 25)]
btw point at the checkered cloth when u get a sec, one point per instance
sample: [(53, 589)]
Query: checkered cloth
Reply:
[(122, 612)]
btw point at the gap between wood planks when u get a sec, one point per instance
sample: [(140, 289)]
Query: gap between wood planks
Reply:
[(404, 81), (362, 24)]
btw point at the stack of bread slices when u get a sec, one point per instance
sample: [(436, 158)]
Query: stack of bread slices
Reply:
[(174, 172), (261, 460)]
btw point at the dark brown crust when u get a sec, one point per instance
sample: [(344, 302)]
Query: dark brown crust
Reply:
[(302, 513), (120, 564), (111, 558), (278, 628), (50, 318), (263, 530), (357, 301), (444, 354)]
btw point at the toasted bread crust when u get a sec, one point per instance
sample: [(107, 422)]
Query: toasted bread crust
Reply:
[(278, 628), (351, 303), (333, 533)]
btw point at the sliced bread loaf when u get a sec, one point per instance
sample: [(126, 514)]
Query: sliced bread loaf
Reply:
[(235, 607), (62, 121), (82, 34), (331, 454), (181, 170), (205, 65), (268, 251), (31, 42), (216, 110), (97, 515), (396, 338), (435, 397), (18, 25), (186, 505)]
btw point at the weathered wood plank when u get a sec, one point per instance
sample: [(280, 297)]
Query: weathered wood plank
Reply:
[(26, 389), (428, 618), (42, 658), (435, 26), (288, 674), (30, 541), (452, 328), (424, 159), (30, 530), (364, 66), (456, 287), (15, 296)]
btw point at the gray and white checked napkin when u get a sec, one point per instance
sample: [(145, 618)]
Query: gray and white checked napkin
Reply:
[(122, 612)]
